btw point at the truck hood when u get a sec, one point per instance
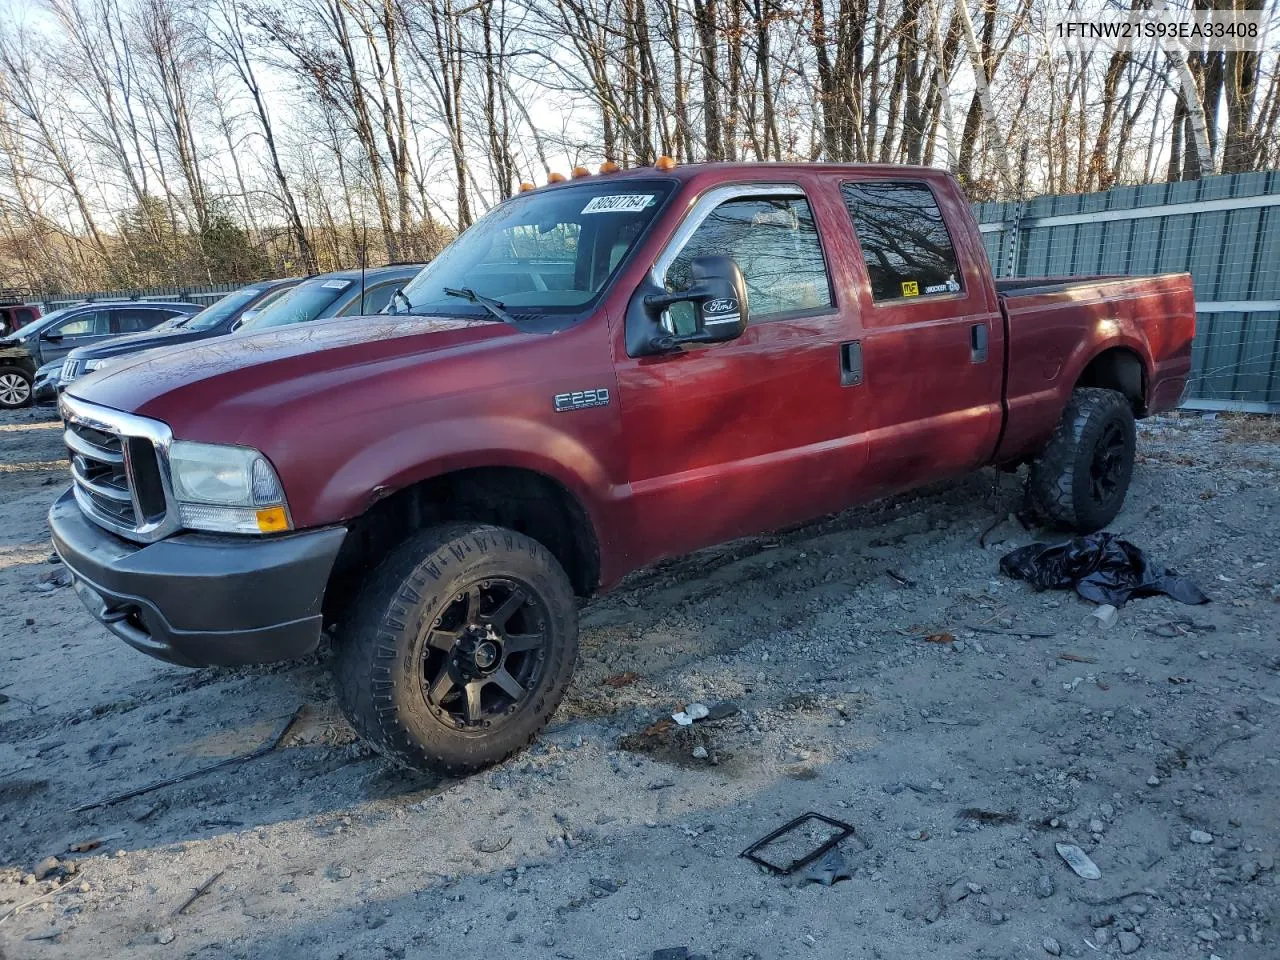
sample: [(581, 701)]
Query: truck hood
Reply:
[(210, 388)]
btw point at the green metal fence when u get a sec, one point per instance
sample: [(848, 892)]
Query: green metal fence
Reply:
[(203, 294), (1224, 231)]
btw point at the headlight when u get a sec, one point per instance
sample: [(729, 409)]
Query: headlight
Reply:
[(226, 489), (92, 365)]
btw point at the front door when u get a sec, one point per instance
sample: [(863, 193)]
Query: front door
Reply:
[(80, 330), (740, 437)]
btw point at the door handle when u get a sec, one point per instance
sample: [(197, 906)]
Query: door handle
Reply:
[(978, 343), (851, 363)]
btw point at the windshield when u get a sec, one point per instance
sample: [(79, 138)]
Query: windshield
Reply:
[(538, 252), (270, 298), (304, 302), (215, 313), (40, 322)]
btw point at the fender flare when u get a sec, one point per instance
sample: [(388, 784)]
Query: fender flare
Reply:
[(423, 451)]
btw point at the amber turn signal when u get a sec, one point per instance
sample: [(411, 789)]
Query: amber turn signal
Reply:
[(664, 163), (555, 178), (272, 520)]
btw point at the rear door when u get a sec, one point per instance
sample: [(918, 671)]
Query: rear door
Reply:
[(735, 438), (932, 337)]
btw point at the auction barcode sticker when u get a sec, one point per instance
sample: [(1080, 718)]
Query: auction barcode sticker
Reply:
[(619, 203)]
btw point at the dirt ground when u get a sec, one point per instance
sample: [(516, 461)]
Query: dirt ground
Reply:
[(1151, 745)]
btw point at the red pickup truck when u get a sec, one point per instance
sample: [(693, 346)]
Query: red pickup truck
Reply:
[(598, 374)]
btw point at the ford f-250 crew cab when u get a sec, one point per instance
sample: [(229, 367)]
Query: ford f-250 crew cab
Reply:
[(598, 374)]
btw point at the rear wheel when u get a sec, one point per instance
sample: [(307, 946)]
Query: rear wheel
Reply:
[(15, 388), (459, 648), (1080, 480)]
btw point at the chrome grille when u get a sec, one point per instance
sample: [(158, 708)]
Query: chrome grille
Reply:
[(119, 469), (69, 368), (98, 469)]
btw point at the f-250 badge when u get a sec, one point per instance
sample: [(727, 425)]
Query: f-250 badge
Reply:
[(581, 399)]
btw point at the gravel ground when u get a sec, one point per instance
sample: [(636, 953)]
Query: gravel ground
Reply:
[(1151, 745)]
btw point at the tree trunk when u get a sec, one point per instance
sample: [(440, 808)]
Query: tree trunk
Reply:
[(706, 18)]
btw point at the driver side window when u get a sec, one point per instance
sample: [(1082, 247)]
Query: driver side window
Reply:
[(775, 243), (94, 323)]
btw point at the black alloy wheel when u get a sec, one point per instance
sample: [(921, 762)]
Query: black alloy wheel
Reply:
[(1108, 465), (458, 648), (1080, 479), (484, 654)]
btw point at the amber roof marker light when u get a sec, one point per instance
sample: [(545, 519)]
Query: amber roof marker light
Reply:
[(609, 167), (526, 186), (580, 172), (664, 163), (555, 178)]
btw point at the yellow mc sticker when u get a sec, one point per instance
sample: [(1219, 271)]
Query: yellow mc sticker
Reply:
[(910, 288)]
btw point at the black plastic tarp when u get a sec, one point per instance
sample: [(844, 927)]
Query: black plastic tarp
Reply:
[(1100, 567)]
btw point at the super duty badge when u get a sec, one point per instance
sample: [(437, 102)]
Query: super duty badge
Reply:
[(581, 399)]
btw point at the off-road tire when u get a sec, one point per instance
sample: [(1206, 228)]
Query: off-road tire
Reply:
[(1061, 482), (6, 401), (381, 645)]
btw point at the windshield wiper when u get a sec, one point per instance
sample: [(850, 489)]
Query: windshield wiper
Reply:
[(495, 307)]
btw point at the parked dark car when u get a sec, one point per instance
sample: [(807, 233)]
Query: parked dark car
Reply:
[(330, 295), (56, 334), (48, 379), (214, 320), (15, 312)]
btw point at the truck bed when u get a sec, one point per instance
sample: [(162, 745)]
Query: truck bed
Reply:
[(1027, 286), (1150, 320)]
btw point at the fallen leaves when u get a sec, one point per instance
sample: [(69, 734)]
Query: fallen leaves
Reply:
[(1076, 658), (624, 679)]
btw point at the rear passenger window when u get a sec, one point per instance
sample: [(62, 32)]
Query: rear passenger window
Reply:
[(775, 244), (904, 240), (137, 319)]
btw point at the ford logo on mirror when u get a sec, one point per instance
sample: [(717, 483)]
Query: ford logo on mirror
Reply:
[(721, 305)]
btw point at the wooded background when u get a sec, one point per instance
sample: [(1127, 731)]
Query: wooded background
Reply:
[(149, 142)]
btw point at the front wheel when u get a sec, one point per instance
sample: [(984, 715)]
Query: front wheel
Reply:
[(459, 648), (15, 388), (1080, 480)]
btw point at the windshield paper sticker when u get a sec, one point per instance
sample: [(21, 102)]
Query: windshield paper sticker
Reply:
[(336, 284), (621, 203)]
